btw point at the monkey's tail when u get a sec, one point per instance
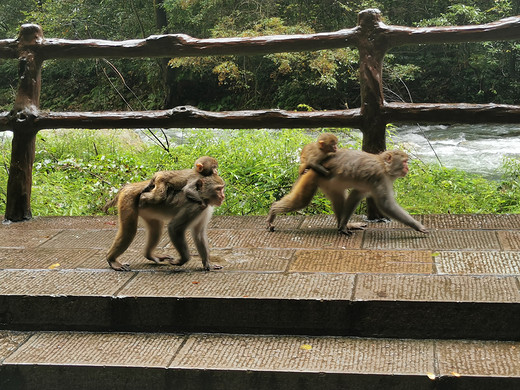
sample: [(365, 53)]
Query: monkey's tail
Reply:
[(110, 203)]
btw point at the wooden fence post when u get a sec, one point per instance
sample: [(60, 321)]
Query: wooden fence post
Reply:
[(372, 48), (25, 109)]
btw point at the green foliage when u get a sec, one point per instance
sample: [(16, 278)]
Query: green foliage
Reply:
[(323, 79), (467, 72), (75, 172), (473, 73), (87, 84), (433, 189)]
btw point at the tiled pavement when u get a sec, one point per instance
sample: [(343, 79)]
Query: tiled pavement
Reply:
[(301, 307)]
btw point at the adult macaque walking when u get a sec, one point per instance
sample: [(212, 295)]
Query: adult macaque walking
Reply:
[(177, 210), (364, 174)]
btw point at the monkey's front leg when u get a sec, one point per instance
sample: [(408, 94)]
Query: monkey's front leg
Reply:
[(200, 236), (176, 231), (190, 215)]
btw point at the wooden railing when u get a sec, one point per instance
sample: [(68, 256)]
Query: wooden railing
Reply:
[(371, 37)]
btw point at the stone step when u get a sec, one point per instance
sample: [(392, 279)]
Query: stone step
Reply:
[(460, 281), (360, 305), (79, 360)]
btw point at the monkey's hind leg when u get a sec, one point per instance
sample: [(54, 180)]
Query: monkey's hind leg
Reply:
[(349, 206), (125, 236), (153, 236), (300, 196)]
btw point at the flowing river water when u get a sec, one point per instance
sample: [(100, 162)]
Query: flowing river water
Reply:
[(477, 149)]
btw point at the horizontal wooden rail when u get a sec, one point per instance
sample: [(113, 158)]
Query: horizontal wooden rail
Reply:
[(188, 116), (502, 30), (182, 45), (450, 113)]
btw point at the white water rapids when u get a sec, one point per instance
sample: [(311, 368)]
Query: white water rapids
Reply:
[(472, 148)]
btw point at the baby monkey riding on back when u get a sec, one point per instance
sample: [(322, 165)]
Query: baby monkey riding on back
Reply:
[(314, 154), (163, 182)]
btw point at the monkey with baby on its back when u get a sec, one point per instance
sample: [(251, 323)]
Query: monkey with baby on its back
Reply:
[(334, 171), (183, 199)]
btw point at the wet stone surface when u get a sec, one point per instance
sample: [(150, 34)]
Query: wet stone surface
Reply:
[(61, 282), (326, 354), (149, 350), (425, 358), (363, 261), (478, 263), (437, 288), (241, 285), (53, 274)]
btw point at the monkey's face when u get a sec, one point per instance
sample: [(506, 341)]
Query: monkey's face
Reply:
[(217, 197), (329, 146), (398, 167)]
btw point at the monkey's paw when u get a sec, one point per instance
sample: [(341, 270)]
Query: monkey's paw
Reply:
[(345, 231), (356, 226), (117, 266), (159, 259), (212, 267)]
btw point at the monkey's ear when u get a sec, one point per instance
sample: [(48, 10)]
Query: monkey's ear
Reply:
[(387, 157), (198, 184), (199, 167), (321, 143)]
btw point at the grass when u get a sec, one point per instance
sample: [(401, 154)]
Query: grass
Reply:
[(75, 172)]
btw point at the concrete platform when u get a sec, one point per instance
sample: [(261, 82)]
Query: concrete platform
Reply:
[(300, 307)]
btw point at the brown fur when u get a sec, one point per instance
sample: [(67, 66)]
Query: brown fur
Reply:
[(177, 210), (164, 181), (364, 174), (315, 153)]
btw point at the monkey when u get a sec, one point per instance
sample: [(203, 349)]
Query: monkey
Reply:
[(177, 210), (155, 191), (315, 153), (365, 174)]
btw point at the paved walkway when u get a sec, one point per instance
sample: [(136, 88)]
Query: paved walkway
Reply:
[(385, 308), (472, 245)]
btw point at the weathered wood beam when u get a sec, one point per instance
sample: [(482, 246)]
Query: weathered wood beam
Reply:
[(181, 45), (502, 30), (5, 122), (26, 105), (450, 113), (8, 48), (187, 116)]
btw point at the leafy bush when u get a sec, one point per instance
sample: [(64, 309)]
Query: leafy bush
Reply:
[(75, 172)]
